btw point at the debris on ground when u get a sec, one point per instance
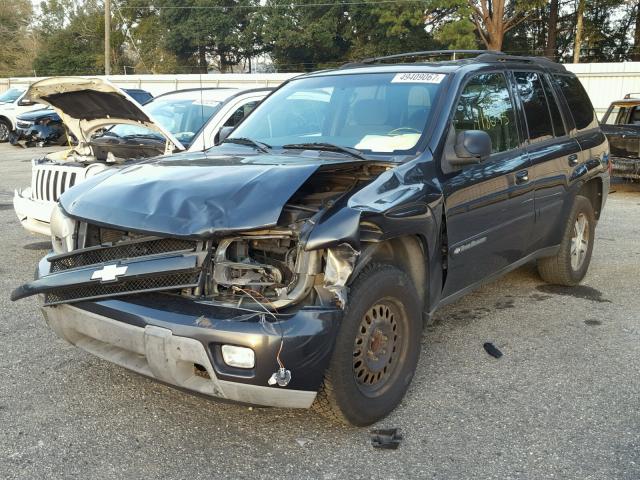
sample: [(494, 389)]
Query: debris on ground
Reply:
[(492, 350), (388, 439)]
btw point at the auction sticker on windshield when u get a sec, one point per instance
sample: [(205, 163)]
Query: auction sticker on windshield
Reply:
[(418, 78)]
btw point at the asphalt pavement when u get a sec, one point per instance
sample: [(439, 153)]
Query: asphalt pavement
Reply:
[(563, 401)]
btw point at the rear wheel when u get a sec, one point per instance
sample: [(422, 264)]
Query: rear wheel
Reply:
[(5, 129), (376, 350), (569, 266)]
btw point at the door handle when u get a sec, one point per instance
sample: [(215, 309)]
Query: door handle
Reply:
[(522, 177), (573, 159)]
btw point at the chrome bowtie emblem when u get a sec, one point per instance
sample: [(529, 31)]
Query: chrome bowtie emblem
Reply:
[(109, 273)]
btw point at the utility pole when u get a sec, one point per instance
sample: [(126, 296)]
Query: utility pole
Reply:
[(107, 37)]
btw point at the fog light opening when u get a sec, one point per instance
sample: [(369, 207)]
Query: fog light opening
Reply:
[(200, 371), (239, 357)]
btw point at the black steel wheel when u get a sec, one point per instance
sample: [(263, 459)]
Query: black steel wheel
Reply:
[(377, 348)]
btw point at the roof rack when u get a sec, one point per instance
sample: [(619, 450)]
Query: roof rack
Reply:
[(431, 53)]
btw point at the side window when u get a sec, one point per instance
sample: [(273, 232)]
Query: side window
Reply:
[(535, 105), (240, 113), (616, 115), (485, 104), (556, 117), (578, 101), (634, 117)]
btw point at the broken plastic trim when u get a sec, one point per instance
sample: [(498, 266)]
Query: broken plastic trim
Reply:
[(340, 263)]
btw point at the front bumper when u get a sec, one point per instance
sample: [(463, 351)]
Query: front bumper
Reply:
[(176, 340), (34, 215)]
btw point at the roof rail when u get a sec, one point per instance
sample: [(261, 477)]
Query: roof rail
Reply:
[(430, 53)]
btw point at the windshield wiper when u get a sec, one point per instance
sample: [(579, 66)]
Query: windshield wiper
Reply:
[(262, 147), (329, 147)]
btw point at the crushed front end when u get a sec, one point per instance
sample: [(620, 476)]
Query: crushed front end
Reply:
[(237, 315)]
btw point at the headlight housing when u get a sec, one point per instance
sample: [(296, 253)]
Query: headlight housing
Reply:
[(63, 231)]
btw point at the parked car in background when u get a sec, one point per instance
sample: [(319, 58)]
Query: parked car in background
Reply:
[(112, 129), (294, 263), (12, 103), (45, 127), (621, 125)]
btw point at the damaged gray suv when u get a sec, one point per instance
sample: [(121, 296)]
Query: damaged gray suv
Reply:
[(293, 265)]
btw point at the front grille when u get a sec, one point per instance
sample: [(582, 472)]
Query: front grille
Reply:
[(23, 125), (174, 281), (122, 251), (50, 181)]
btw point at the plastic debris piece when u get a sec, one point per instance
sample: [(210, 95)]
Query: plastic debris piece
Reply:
[(492, 350), (388, 439), (282, 378)]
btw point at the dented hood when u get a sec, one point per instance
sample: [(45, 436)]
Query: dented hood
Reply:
[(88, 104), (191, 195)]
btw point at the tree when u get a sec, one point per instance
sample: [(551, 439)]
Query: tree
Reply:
[(394, 28), (307, 37), (552, 30), (577, 44), (76, 47), (494, 18), (635, 56), (198, 32), (15, 37)]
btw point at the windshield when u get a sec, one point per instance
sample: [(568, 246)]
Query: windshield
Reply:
[(10, 95), (377, 113), (181, 115)]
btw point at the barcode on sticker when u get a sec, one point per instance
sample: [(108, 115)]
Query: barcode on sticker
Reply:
[(418, 78)]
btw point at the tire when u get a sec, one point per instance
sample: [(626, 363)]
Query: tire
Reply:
[(363, 385), (5, 130), (569, 266)]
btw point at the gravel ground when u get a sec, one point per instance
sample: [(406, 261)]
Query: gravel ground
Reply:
[(563, 401)]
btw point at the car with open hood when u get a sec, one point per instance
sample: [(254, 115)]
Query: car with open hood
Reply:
[(293, 264), (44, 126), (13, 102), (112, 128)]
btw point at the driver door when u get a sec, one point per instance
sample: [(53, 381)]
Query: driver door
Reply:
[(489, 206)]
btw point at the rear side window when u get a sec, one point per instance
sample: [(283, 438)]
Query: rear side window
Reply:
[(556, 117), (578, 101), (535, 105), (485, 104)]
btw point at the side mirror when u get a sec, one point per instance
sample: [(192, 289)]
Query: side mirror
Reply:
[(472, 146), (26, 103), (224, 133)]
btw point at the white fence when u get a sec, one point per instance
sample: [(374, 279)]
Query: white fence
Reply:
[(604, 82), (157, 84)]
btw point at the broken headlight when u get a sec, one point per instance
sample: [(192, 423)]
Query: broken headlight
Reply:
[(63, 231)]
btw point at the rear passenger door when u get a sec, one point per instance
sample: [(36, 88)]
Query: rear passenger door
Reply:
[(489, 206), (553, 153)]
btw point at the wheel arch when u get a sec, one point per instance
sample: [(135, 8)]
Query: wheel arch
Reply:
[(592, 190), (407, 252)]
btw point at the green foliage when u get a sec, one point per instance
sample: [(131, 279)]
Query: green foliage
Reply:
[(182, 36), (77, 47), (305, 38), (223, 35), (15, 54)]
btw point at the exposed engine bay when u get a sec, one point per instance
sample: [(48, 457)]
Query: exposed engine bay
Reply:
[(267, 268)]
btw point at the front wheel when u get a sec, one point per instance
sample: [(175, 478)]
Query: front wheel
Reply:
[(377, 348), (569, 266), (5, 130)]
